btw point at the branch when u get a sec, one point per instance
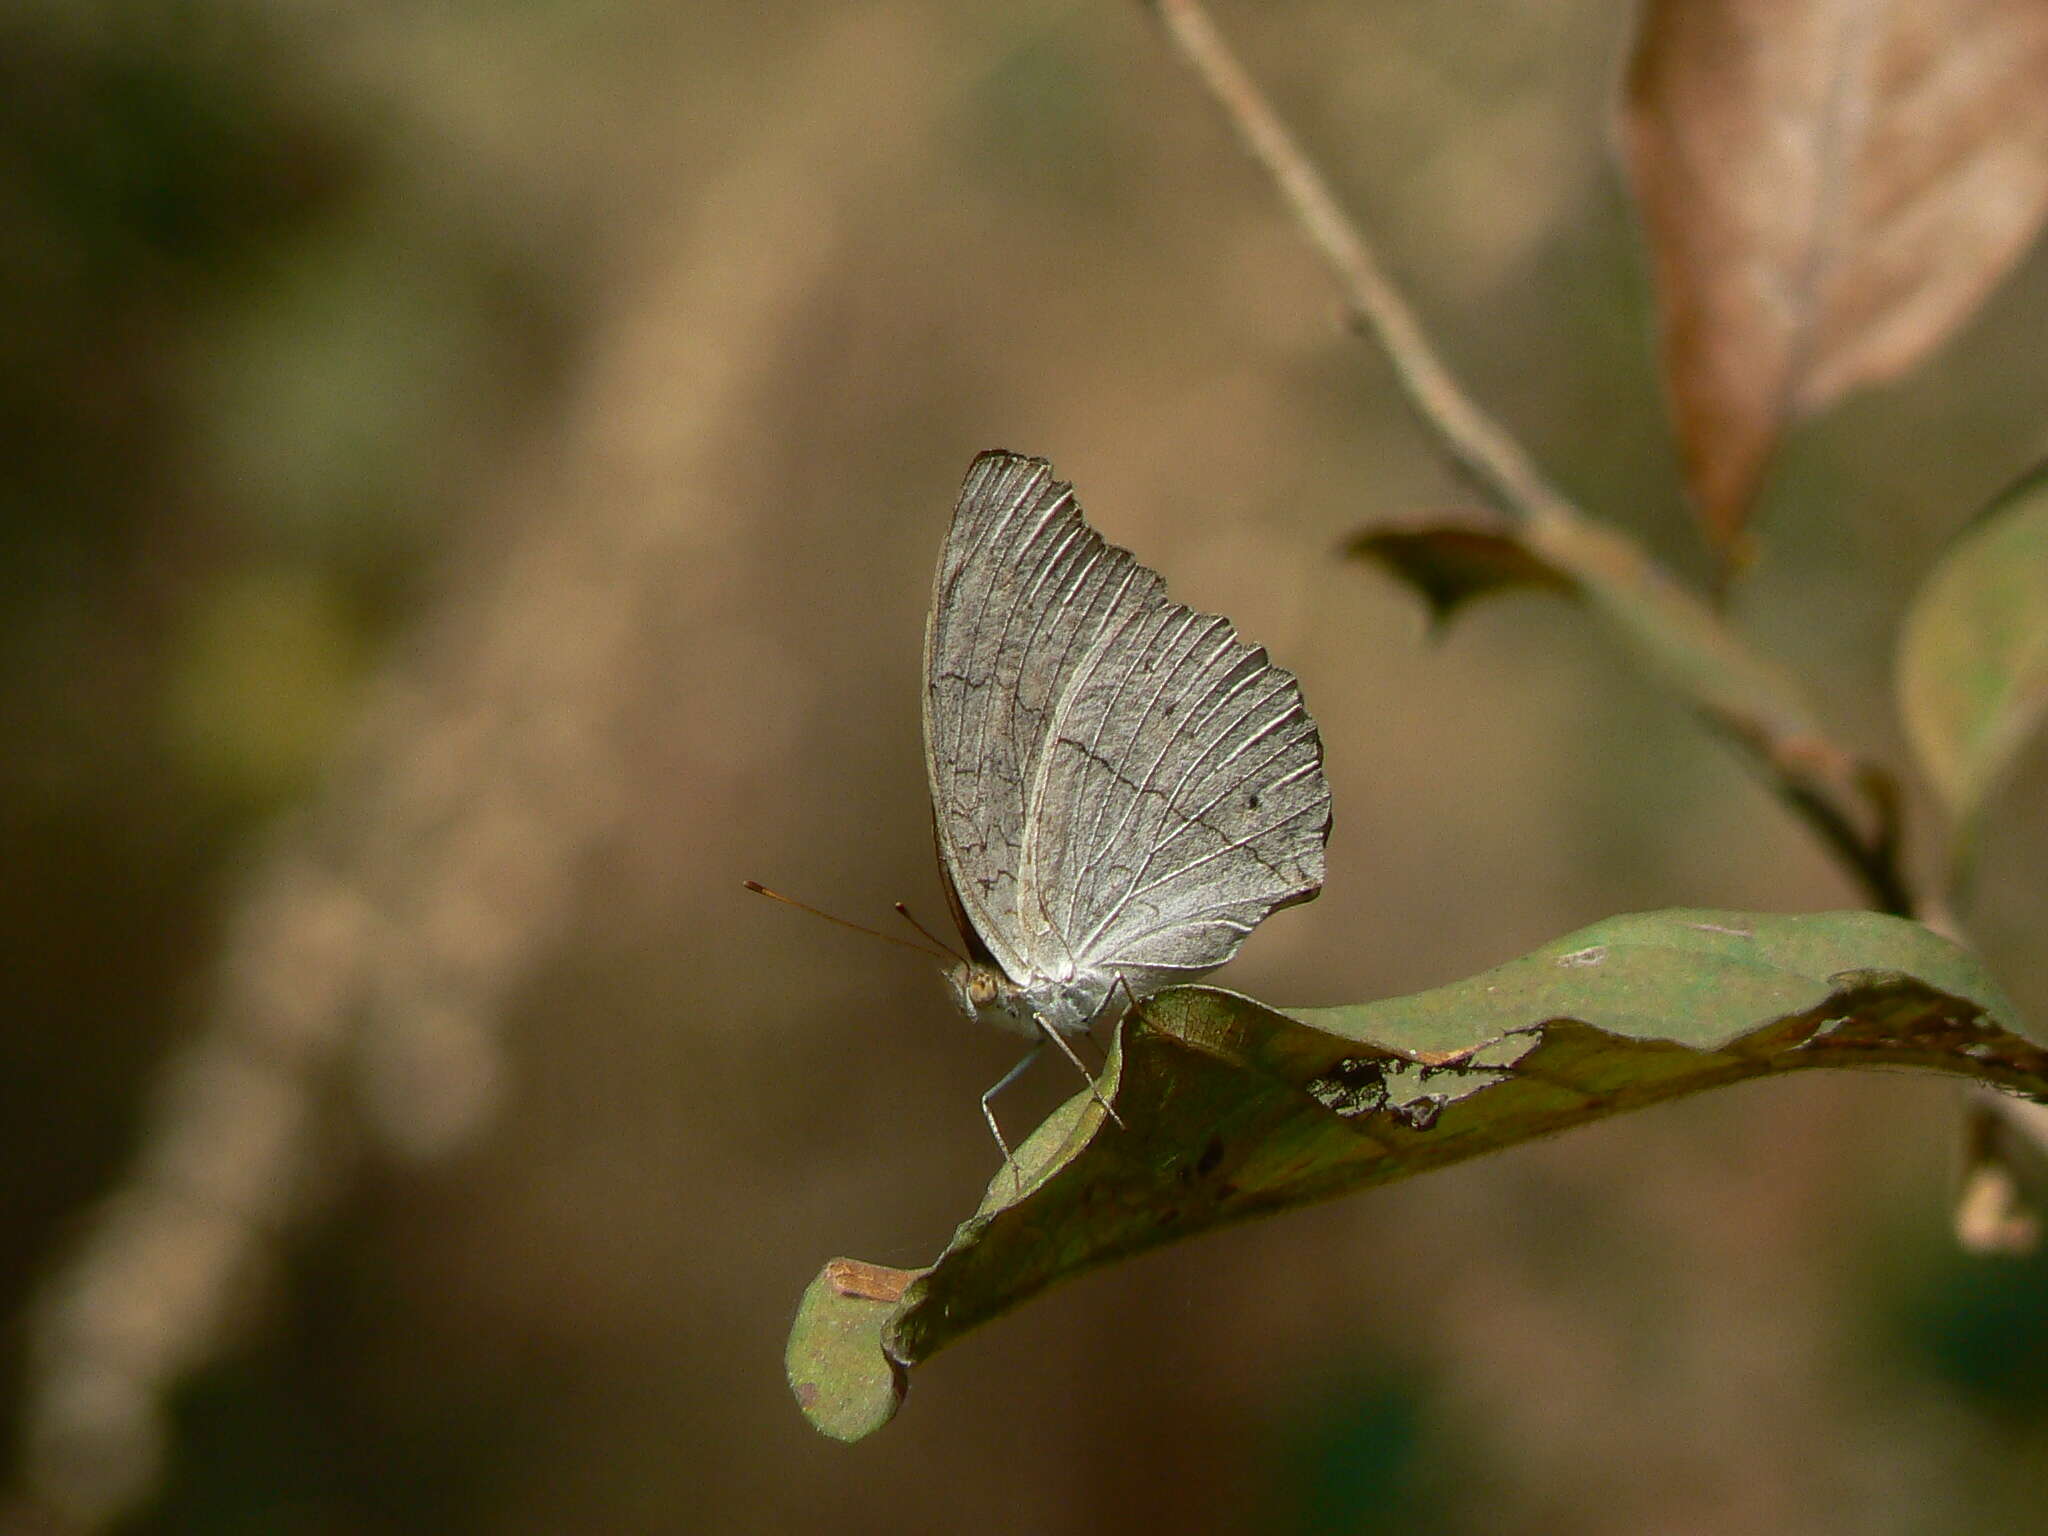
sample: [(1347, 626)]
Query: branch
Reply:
[(1479, 445), (1846, 801)]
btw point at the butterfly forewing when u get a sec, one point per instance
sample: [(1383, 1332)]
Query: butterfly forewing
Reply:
[(1021, 585)]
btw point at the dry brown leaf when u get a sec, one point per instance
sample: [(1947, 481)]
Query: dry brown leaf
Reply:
[(1830, 186)]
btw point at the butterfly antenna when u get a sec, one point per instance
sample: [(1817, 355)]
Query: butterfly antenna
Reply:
[(874, 933), (903, 912)]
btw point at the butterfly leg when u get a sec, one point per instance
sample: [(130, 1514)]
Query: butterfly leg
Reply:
[(1129, 996), (1081, 1067), (988, 1111)]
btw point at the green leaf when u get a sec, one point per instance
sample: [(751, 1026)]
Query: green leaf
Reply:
[(846, 1385), (1232, 1110), (1973, 656)]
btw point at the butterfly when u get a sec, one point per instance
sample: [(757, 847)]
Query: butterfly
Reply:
[(1122, 789)]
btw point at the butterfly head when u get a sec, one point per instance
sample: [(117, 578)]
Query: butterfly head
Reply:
[(985, 993), (1068, 1003)]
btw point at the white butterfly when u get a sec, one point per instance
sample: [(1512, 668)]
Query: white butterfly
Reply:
[(1121, 788)]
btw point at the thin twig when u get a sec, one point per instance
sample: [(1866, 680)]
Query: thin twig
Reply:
[(1839, 795), (1873, 859), (1477, 443)]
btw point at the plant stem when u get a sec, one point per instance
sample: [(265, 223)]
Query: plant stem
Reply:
[(1844, 800), (1477, 443)]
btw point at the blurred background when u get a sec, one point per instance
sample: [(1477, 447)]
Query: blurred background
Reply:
[(470, 486)]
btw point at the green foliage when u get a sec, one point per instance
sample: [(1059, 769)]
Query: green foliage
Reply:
[(1351, 1457), (1232, 1110), (1973, 656), (1984, 1330)]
